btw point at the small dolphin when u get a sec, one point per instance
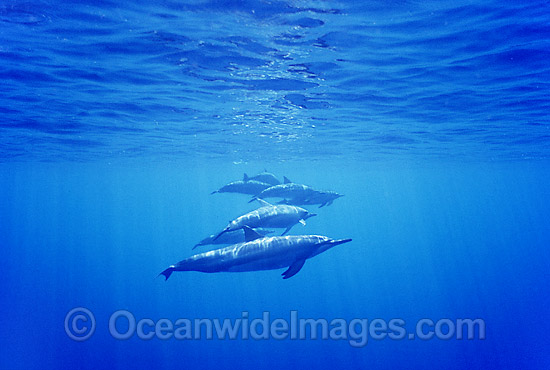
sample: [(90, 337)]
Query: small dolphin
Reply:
[(324, 198), (231, 237), (288, 191), (251, 187), (259, 253), (268, 215), (265, 177)]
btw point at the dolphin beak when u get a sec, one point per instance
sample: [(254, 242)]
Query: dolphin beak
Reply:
[(311, 215), (340, 241)]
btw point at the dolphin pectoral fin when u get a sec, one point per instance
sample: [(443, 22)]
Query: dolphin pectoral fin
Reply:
[(302, 222), (251, 234), (214, 192), (322, 205), (287, 230), (294, 268), (263, 202), (286, 180), (168, 272)]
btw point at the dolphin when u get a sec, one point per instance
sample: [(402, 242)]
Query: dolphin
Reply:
[(231, 237), (268, 215), (324, 198), (259, 253), (251, 187), (286, 190), (265, 177)]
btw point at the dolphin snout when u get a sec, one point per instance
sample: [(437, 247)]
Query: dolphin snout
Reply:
[(340, 241), (311, 215)]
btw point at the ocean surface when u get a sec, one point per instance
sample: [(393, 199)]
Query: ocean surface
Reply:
[(118, 119)]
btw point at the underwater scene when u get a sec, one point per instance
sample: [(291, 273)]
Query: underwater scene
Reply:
[(274, 184)]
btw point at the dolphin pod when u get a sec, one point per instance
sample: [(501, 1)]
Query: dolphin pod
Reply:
[(266, 185), (259, 253), (251, 249)]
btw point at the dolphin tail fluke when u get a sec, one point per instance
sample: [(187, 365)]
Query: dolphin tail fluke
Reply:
[(168, 272)]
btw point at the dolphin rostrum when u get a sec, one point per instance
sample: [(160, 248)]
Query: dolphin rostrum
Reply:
[(265, 176), (231, 237), (278, 216), (251, 187), (259, 253)]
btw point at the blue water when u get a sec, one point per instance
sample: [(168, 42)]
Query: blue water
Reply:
[(118, 120)]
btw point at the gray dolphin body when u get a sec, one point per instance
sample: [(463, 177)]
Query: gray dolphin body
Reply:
[(287, 191), (231, 237), (324, 198), (278, 216), (265, 177), (251, 187), (259, 253)]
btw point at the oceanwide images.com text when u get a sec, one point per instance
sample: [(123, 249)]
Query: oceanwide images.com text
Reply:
[(80, 325)]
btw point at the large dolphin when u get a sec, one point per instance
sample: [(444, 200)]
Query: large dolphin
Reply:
[(265, 176), (259, 253), (324, 198), (278, 216), (251, 187), (231, 237)]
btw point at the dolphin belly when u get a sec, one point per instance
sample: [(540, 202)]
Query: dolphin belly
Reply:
[(273, 263), (282, 221)]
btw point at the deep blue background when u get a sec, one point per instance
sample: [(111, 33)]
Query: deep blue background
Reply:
[(444, 241), (117, 121)]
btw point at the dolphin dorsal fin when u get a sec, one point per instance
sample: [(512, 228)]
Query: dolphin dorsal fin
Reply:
[(245, 178), (286, 180), (251, 234), (264, 203)]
